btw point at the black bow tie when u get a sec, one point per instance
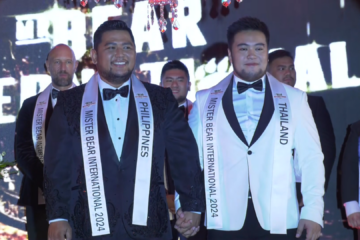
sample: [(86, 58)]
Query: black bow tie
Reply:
[(109, 94), (54, 93), (242, 87), (182, 108)]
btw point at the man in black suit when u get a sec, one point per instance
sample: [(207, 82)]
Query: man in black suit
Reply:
[(103, 170), (175, 75), (350, 176), (31, 126), (281, 66)]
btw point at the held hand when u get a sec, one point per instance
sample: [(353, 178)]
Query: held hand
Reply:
[(59, 231), (187, 223), (354, 220), (313, 229), (170, 201)]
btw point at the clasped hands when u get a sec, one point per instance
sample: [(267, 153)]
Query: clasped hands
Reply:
[(187, 223)]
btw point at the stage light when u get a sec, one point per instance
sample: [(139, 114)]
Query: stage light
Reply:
[(150, 14)]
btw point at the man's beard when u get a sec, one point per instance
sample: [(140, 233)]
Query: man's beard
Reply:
[(250, 76), (116, 78), (62, 82)]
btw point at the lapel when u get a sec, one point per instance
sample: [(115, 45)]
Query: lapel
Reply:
[(265, 117), (266, 113), (49, 112), (131, 140), (228, 106), (107, 149)]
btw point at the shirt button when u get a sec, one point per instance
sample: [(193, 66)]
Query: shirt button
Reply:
[(115, 99), (249, 152), (119, 138), (118, 119)]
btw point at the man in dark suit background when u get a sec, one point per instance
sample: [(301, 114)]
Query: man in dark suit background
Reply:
[(175, 76), (281, 66), (350, 176), (66, 188), (61, 65)]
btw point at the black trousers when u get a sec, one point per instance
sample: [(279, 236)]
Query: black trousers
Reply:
[(37, 225), (175, 234), (251, 230)]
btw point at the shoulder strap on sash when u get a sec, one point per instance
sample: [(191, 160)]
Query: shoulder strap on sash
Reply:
[(284, 133), (38, 123), (92, 162), (145, 152), (214, 216)]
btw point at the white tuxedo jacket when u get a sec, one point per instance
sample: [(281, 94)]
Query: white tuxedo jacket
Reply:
[(249, 166)]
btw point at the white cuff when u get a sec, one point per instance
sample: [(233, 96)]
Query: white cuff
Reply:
[(177, 201), (351, 207), (196, 212), (312, 214), (178, 205), (57, 220)]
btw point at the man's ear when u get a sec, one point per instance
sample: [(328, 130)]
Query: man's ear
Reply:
[(229, 54), (46, 67), (93, 54)]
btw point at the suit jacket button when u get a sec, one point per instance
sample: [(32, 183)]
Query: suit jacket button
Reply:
[(249, 152)]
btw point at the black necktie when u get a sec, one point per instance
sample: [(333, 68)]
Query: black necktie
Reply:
[(54, 93), (109, 94), (242, 87)]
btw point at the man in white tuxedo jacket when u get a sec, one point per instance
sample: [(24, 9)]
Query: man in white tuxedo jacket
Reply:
[(246, 128)]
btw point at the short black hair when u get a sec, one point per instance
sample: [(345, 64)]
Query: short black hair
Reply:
[(246, 24), (174, 64), (279, 54), (110, 25)]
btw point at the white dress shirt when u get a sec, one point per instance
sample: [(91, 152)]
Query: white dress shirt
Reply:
[(116, 113), (184, 104), (248, 107), (351, 207)]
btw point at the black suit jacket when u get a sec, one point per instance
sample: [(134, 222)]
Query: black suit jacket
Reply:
[(326, 133), (64, 180), (25, 155), (170, 181), (350, 166)]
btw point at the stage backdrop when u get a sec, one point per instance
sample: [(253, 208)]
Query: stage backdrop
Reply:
[(323, 35)]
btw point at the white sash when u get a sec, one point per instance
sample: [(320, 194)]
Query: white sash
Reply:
[(38, 123), (92, 161), (284, 133), (214, 216), (39, 119), (145, 152)]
